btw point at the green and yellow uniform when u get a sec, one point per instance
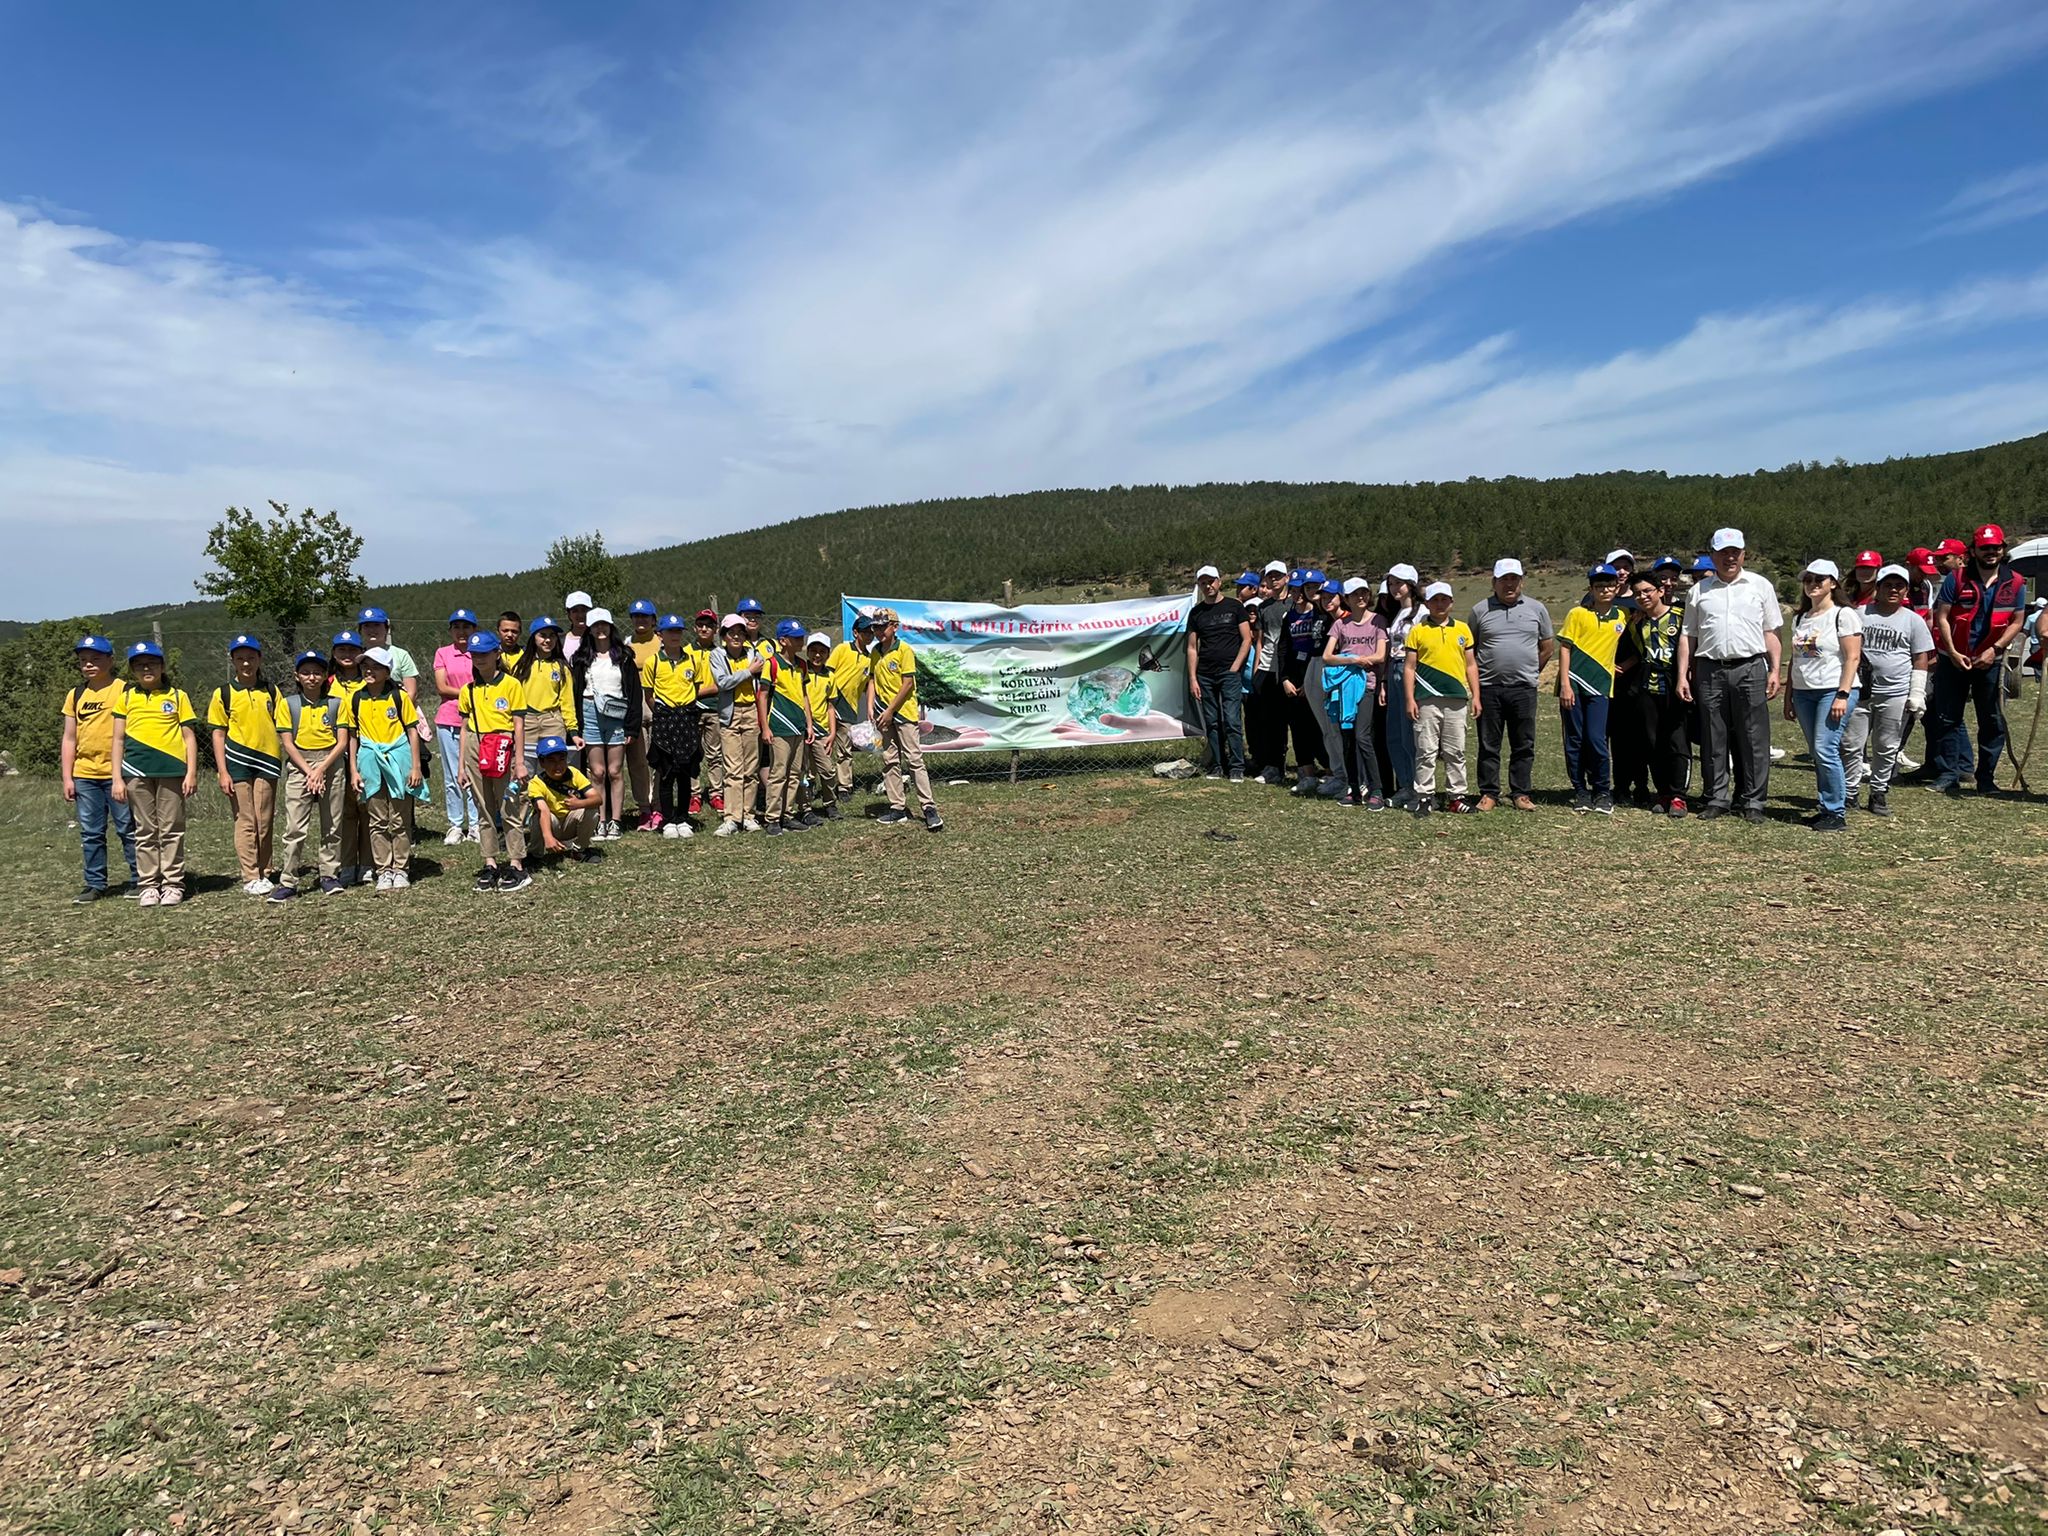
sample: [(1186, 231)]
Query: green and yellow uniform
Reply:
[(847, 669), (1593, 636), (254, 719), (818, 690), (93, 710), (155, 725), (1440, 651), (379, 718), (555, 794), (744, 693), (789, 706), (890, 669)]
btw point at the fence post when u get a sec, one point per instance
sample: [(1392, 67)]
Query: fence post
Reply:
[(1007, 599), (156, 633)]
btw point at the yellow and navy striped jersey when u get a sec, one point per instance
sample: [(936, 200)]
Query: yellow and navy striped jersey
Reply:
[(789, 706)]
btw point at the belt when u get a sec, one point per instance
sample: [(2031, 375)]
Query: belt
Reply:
[(1731, 661)]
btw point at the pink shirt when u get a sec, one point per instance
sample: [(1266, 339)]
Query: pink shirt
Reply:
[(456, 663)]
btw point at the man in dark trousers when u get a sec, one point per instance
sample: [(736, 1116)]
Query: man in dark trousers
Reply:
[(1513, 638), (1979, 611), (1219, 634), (1729, 650)]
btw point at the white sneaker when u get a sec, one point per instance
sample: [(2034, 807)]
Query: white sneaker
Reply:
[(679, 829), (726, 829), (1777, 754), (383, 881), (170, 896), (401, 881), (451, 837), (752, 825), (149, 896), (258, 887), (368, 877), (1907, 764)]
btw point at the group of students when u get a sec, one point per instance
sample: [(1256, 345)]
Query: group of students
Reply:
[(1373, 684), (542, 728)]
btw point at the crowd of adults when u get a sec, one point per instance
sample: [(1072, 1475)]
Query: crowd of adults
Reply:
[(1371, 684)]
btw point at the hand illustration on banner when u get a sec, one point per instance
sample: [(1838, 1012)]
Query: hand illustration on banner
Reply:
[(1150, 726)]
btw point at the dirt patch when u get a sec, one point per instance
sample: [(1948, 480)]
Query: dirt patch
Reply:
[(1197, 1319)]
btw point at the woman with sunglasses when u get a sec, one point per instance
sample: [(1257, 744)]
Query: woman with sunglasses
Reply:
[(1825, 659)]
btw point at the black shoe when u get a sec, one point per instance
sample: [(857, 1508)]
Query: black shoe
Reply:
[(514, 879), (1712, 812), (1987, 789), (832, 811), (488, 878), (812, 819), (1880, 805), (590, 855), (773, 828), (1422, 804), (1947, 787), (283, 893), (1603, 805), (88, 896), (893, 817), (931, 819), (1754, 817), (1582, 800), (1828, 821)]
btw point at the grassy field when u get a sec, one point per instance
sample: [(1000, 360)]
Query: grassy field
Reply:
[(1135, 1158)]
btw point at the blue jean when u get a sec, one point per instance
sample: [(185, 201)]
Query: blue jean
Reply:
[(96, 803), (458, 802), (1824, 740), (1223, 720), (1400, 738), (1585, 742), (1952, 689)]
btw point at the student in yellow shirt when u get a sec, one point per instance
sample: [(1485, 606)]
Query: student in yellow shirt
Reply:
[(543, 671), (155, 750), (345, 663), (668, 682), (849, 664), (511, 639), (737, 670), (246, 718), (644, 642), (492, 707), (315, 777), (379, 720), (816, 800), (86, 762), (565, 802), (711, 709), (786, 731), (892, 705), (1442, 684), (1587, 642)]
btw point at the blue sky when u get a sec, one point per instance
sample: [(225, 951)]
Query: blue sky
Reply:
[(474, 275)]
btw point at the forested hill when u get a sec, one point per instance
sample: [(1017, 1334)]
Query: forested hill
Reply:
[(967, 547)]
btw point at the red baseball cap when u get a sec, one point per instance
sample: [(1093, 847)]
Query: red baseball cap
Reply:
[(1990, 533), (1951, 547), (1870, 558), (708, 613)]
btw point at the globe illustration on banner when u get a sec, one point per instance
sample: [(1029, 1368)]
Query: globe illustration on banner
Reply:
[(1107, 691)]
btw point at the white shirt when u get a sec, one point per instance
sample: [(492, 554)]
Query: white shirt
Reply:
[(1727, 620), (1817, 648), (602, 681)]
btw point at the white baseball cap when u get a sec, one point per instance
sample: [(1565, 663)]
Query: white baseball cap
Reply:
[(379, 655), (1728, 538), (1356, 584), (1208, 570), (1276, 567), (1822, 568), (1894, 569), (1436, 589), (576, 600), (1506, 568), (1616, 556), (601, 616), (819, 639), (1405, 572)]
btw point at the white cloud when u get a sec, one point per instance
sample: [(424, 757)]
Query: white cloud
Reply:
[(1995, 200), (1031, 246)]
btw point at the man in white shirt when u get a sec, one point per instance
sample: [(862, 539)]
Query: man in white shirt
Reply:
[(1728, 655)]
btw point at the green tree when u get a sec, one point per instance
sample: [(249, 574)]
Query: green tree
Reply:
[(579, 562), (284, 567), (36, 667)]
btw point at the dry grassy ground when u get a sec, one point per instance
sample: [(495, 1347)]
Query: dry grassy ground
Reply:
[(1132, 1158)]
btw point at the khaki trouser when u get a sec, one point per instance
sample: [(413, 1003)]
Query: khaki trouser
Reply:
[(1440, 735), (785, 772), (390, 838), (842, 761), (742, 753), (301, 808), (499, 828), (255, 816), (713, 733), (900, 750), (573, 829), (818, 761), (159, 808)]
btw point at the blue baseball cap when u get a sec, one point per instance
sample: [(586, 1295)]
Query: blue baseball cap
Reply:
[(1315, 577), (1248, 579), (749, 605), (98, 643), (462, 616), (551, 746), (1297, 579), (373, 616), (1666, 563), (305, 656), (483, 643), (640, 605), (145, 648), (348, 637), (672, 621), (245, 643), (789, 629), (540, 622), (1703, 563), (1333, 584), (863, 621), (1603, 572)]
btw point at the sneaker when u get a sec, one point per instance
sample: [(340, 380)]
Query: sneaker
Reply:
[(1237, 778), (1273, 776), (149, 897), (895, 816), (258, 887), (1947, 787), (1330, 789), (679, 829), (726, 829), (487, 879), (1880, 803), (383, 881), (401, 881), (1524, 803), (1582, 800), (1908, 764), (367, 877), (1460, 806), (697, 803), (718, 803), (773, 829), (654, 823), (1676, 807), (170, 896), (1377, 803), (750, 825), (471, 835), (513, 878), (1830, 822), (1778, 754), (284, 893), (1713, 812), (832, 812), (88, 896), (329, 886), (1603, 805), (931, 819), (811, 820), (1486, 803), (451, 837), (588, 855), (130, 892), (1754, 817), (1421, 807), (1212, 775)]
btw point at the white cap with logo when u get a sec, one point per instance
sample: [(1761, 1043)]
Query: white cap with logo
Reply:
[(1506, 568), (576, 600), (1728, 538), (1437, 589)]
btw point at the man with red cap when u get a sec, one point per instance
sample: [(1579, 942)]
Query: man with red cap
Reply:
[(1979, 612)]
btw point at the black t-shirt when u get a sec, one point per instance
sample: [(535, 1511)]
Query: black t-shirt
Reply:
[(1214, 626)]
